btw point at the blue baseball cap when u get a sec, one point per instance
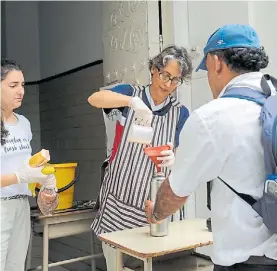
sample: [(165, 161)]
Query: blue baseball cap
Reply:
[(230, 36)]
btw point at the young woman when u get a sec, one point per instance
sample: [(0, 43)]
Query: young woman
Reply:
[(15, 172), (126, 182)]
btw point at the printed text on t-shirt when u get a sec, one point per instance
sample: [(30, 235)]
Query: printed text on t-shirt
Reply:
[(16, 144)]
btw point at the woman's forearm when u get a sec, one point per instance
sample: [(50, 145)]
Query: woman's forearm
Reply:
[(8, 179), (108, 99)]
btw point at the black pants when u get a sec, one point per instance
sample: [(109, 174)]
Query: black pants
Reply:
[(267, 265), (246, 267)]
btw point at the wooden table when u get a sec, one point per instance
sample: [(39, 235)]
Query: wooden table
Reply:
[(58, 225), (183, 235)]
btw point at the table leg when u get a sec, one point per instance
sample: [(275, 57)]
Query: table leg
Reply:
[(45, 248), (93, 267), (119, 260), (29, 252), (148, 264)]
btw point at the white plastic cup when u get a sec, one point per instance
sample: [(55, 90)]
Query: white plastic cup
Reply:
[(140, 134)]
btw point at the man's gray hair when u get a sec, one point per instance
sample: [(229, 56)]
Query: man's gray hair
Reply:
[(173, 52)]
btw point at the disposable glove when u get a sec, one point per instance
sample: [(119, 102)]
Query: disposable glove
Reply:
[(167, 157)]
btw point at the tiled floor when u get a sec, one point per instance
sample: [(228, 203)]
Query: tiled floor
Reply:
[(37, 255), (36, 261)]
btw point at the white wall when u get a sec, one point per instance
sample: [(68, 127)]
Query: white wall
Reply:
[(49, 38), (262, 16), (70, 35), (190, 26), (22, 36)]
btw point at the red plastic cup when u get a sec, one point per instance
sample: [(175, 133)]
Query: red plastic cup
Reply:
[(154, 152)]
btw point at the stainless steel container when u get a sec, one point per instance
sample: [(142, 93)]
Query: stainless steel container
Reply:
[(161, 229)]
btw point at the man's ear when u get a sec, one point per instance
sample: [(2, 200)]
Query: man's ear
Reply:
[(218, 62)]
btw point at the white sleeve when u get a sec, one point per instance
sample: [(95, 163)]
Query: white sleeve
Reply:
[(197, 158)]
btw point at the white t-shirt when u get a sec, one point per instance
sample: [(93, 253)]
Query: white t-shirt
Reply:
[(223, 138), (16, 150)]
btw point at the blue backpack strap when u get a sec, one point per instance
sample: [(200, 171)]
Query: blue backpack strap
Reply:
[(265, 86), (245, 93), (269, 123), (275, 139), (252, 95), (271, 108), (269, 104)]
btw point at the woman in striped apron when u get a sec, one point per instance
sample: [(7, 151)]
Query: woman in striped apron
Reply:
[(126, 179)]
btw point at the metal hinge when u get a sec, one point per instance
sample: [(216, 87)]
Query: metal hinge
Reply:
[(194, 52)]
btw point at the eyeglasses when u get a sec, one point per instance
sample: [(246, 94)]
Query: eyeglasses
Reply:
[(165, 77)]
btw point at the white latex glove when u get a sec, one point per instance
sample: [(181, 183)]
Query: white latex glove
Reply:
[(143, 115), (50, 182), (27, 174), (139, 106), (167, 157)]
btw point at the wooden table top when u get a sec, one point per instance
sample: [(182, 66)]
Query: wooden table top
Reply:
[(183, 235), (39, 215)]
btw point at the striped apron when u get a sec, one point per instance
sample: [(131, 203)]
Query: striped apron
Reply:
[(126, 181)]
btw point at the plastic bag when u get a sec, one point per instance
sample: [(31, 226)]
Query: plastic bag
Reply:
[(48, 200)]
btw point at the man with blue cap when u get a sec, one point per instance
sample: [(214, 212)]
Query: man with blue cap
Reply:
[(222, 141)]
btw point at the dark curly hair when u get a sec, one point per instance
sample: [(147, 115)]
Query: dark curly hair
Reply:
[(173, 52), (6, 67), (243, 60)]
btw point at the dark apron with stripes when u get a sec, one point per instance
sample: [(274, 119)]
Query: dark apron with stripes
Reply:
[(126, 183)]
